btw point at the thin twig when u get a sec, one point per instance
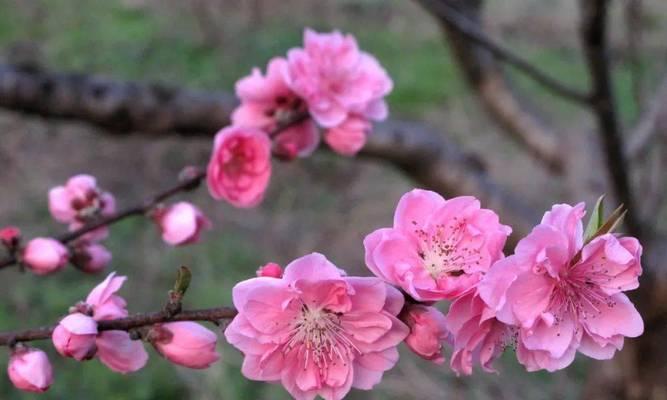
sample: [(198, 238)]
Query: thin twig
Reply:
[(472, 31), (125, 324)]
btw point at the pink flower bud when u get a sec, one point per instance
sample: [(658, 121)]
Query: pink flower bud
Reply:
[(186, 343), (30, 370), (91, 257), (75, 337), (271, 270), (181, 223), (9, 236), (45, 255), (427, 331), (79, 200)]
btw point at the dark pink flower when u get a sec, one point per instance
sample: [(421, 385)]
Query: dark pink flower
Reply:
[(44, 256), (240, 166), (427, 331), (437, 248), (349, 136), (181, 223), (186, 343), (336, 78), (10, 236), (270, 270), (30, 370), (477, 336), (267, 103), (559, 304), (75, 337), (316, 330)]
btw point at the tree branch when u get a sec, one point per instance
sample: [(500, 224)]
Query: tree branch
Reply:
[(424, 154), (471, 30), (647, 127), (485, 76), (594, 41), (124, 324)]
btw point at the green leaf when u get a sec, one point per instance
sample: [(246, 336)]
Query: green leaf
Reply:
[(596, 220), (183, 278)]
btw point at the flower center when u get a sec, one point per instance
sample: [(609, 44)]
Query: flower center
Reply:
[(319, 337), (579, 295), (443, 251)]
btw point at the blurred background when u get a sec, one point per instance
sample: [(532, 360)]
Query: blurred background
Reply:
[(325, 203)]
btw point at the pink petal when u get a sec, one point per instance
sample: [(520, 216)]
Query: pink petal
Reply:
[(120, 353)]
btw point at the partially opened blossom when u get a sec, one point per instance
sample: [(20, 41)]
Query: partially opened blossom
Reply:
[(271, 270), (240, 166), (349, 136), (79, 201), (316, 330), (186, 343), (75, 337), (91, 257), (477, 336), (120, 353), (437, 248), (268, 103), (336, 78), (181, 223), (29, 369), (427, 331), (562, 302), (103, 302), (44, 256)]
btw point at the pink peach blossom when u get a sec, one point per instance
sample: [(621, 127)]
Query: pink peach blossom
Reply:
[(477, 336), (267, 103), (10, 236), (44, 256), (181, 223), (561, 304), (349, 136), (75, 337), (270, 270), (104, 303), (79, 201), (427, 331), (91, 257), (437, 248), (186, 343), (240, 166), (316, 330), (120, 353), (30, 370), (335, 78)]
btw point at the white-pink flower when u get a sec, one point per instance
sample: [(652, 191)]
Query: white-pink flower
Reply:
[(477, 336), (267, 103), (335, 78), (437, 248), (316, 330), (181, 223), (562, 303), (29, 370), (240, 166), (44, 256)]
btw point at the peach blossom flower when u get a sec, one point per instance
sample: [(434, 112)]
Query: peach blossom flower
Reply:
[(186, 343), (30, 370), (44, 256), (181, 223)]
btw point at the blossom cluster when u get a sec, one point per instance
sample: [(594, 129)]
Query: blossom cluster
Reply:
[(77, 336), (329, 84), (318, 331)]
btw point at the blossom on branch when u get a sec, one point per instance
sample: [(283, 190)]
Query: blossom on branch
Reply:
[(437, 248), (90, 257), (565, 296), (240, 166), (30, 370), (186, 343), (316, 330), (427, 331), (181, 223), (75, 337), (44, 256)]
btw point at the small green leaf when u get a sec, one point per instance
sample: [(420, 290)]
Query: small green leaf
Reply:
[(183, 278), (596, 220)]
